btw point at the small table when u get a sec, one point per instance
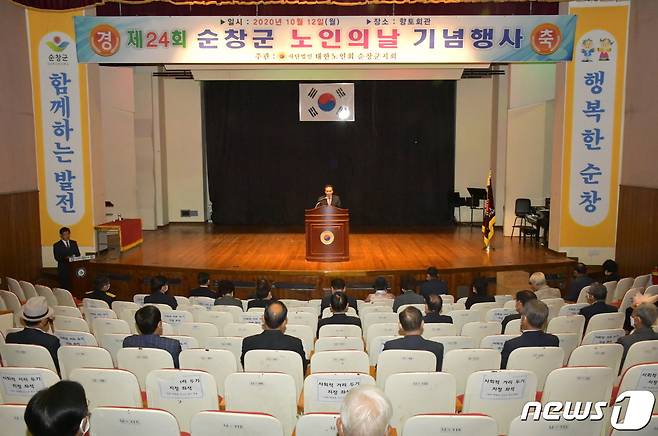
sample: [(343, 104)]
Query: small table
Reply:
[(127, 232)]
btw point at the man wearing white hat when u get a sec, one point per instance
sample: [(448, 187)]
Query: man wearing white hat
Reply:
[(37, 317)]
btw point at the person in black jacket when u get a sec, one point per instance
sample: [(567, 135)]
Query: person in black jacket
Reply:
[(101, 291), (58, 410), (596, 296), (522, 297), (203, 279), (432, 283), (433, 315), (533, 322), (159, 288), (38, 320), (479, 293), (610, 271), (411, 328), (337, 285), (263, 294), (579, 281), (273, 336), (226, 298), (329, 198), (339, 310), (62, 250)]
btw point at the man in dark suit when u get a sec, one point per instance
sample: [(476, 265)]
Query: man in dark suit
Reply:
[(644, 317), (432, 283), (411, 328), (275, 320), (38, 318), (522, 297), (329, 199), (479, 293), (433, 314), (596, 298), (533, 322), (62, 250), (579, 281), (263, 294), (408, 293), (339, 310), (101, 291), (159, 288), (149, 324), (337, 285), (226, 298), (203, 279)]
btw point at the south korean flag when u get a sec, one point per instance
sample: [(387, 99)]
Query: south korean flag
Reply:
[(326, 102)]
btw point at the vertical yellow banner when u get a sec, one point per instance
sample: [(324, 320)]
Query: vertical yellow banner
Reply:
[(594, 112), (61, 115)]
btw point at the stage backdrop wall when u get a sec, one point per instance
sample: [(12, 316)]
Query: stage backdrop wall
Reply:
[(393, 166)]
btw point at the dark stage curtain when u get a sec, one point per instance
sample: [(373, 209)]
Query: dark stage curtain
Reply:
[(393, 166)]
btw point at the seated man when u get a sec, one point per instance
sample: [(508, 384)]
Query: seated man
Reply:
[(159, 288), (339, 310), (579, 281), (539, 286), (596, 298), (644, 316), (263, 294), (365, 412), (337, 285), (38, 320), (479, 293), (149, 324), (226, 298), (411, 327), (408, 294), (203, 279), (533, 320), (433, 313), (275, 320), (522, 297), (432, 283), (381, 291), (101, 291)]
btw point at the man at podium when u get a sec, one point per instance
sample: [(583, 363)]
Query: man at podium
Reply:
[(62, 250), (329, 199)]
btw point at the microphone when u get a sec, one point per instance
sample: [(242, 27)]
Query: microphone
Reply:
[(320, 201)]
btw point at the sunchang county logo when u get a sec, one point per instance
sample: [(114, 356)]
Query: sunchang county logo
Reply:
[(57, 44)]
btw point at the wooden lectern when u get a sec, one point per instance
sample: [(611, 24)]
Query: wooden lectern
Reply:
[(79, 279), (327, 234)]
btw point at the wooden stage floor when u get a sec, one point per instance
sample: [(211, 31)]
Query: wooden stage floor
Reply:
[(184, 249)]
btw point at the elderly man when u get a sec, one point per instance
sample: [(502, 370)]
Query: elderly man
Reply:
[(339, 313), (411, 328), (408, 294), (579, 281), (644, 317), (337, 285), (365, 412), (522, 297), (596, 295)]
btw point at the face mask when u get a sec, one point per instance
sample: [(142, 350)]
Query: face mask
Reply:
[(632, 322)]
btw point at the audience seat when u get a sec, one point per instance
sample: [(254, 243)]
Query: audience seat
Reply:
[(128, 315), (337, 343), (376, 347), (579, 384), (218, 363), (377, 318), (45, 291), (71, 324), (604, 321), (622, 287), (483, 308), (93, 313), (113, 342), (598, 355), (340, 361), (108, 387), (241, 330), (113, 421), (218, 319), (326, 313), (304, 318), (561, 427), (381, 329), (496, 342), (103, 326), (119, 306), (76, 338), (450, 425), (286, 362), (176, 317), (19, 384), (317, 424), (480, 329), (400, 361), (235, 311), (373, 308), (433, 329), (651, 429), (462, 317), (463, 363), (342, 330), (64, 297), (94, 303), (540, 360), (454, 343), (582, 295), (303, 333), (568, 342), (567, 324), (316, 387), (72, 312), (16, 289), (12, 303), (199, 330), (71, 357), (186, 342), (141, 361), (11, 419), (629, 296), (232, 344), (497, 314), (421, 307), (639, 377), (641, 352), (27, 356), (606, 336), (235, 424), (571, 309)]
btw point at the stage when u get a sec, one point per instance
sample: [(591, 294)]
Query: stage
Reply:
[(180, 251)]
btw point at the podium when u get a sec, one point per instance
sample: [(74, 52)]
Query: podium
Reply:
[(78, 271), (327, 234)]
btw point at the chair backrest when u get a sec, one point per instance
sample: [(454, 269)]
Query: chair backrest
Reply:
[(539, 360), (305, 309), (15, 288), (568, 342), (206, 302), (139, 299), (119, 306), (64, 297), (399, 361), (11, 301), (579, 384), (651, 290), (199, 330), (448, 425), (497, 314), (48, 293), (76, 338), (69, 311), (483, 308), (463, 363), (324, 392), (102, 326), (571, 309), (27, 356), (286, 362), (622, 287), (627, 301), (251, 317), (496, 342), (340, 361), (566, 428), (219, 319), (162, 307), (112, 421), (567, 324), (510, 304), (607, 336), (641, 352), (317, 424), (582, 295), (141, 361), (182, 392), (259, 310), (500, 394), (598, 355), (18, 385), (604, 321), (338, 343), (610, 288), (235, 423), (342, 330), (548, 293), (304, 334), (176, 317), (377, 318), (415, 393), (241, 330), (71, 357), (271, 393), (12, 419), (433, 329), (421, 307), (128, 315), (93, 313), (112, 342), (108, 387), (454, 342), (95, 303), (480, 329), (376, 346), (382, 329), (228, 343), (642, 377), (71, 324), (304, 318), (651, 429), (326, 313), (235, 311), (186, 342), (642, 281), (461, 317), (218, 363)]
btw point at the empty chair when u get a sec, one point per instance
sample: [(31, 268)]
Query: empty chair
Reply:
[(642, 377), (571, 309), (269, 393), (112, 342), (199, 330), (317, 424), (141, 361), (27, 356), (498, 314), (455, 342), (610, 288), (567, 324), (582, 295), (607, 336), (102, 326), (233, 310), (108, 387), (139, 299), (603, 321), (340, 330), (112, 421), (651, 429), (641, 281), (45, 291), (235, 423), (72, 357), (305, 334), (12, 303), (20, 384), (15, 288), (219, 319), (568, 343), (376, 346), (186, 342), (228, 343), (76, 338), (286, 362), (438, 329), (336, 343), (598, 355), (641, 352), (627, 301), (495, 342), (377, 318), (161, 307), (177, 317), (72, 312), (483, 308), (71, 324), (12, 419), (340, 361), (93, 313), (622, 287), (218, 363), (561, 427), (478, 330), (463, 363), (242, 330), (304, 318), (119, 306), (382, 329), (461, 317), (579, 384), (540, 360), (651, 290), (64, 297), (183, 392), (97, 304), (449, 425), (400, 361), (485, 394), (416, 393), (253, 317), (128, 315), (206, 302), (324, 392)]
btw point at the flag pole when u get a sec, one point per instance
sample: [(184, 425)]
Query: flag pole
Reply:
[(488, 218)]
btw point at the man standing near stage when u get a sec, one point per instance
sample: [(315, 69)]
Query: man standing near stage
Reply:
[(329, 199), (62, 250)]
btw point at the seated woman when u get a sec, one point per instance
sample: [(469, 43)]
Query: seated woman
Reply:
[(478, 293), (381, 291), (59, 410)]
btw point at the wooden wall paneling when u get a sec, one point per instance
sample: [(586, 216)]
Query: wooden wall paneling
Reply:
[(20, 244)]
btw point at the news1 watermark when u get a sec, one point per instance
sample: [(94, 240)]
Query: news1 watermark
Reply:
[(637, 411)]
